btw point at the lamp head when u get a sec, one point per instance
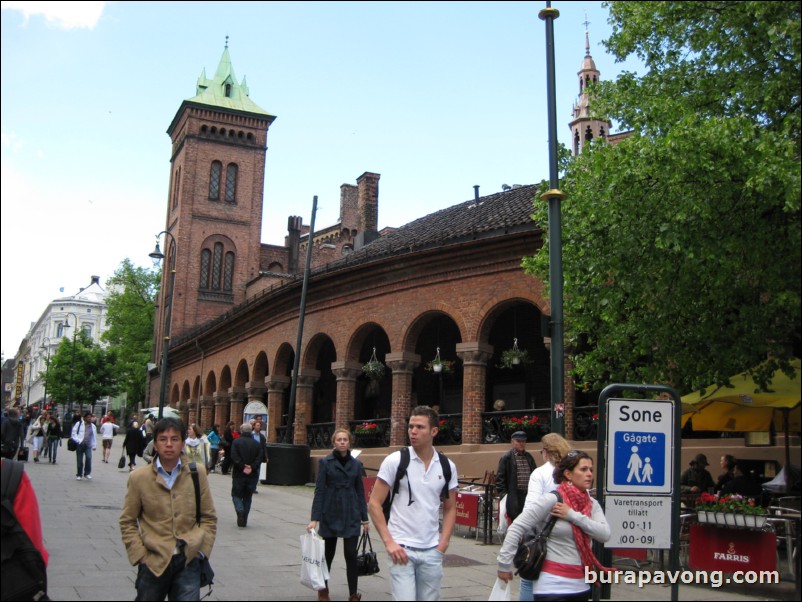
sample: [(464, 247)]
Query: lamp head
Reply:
[(156, 255)]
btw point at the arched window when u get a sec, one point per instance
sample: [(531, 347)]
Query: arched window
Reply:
[(60, 330), (231, 183), (588, 134), (228, 276), (214, 180), (217, 271), (217, 265), (176, 187), (576, 142), (206, 262)]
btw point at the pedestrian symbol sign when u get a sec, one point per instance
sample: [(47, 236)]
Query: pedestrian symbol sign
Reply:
[(640, 459), (640, 441)]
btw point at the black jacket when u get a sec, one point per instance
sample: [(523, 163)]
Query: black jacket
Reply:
[(507, 482), (339, 505), (246, 451)]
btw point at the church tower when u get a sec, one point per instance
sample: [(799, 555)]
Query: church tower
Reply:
[(214, 211), (583, 128)]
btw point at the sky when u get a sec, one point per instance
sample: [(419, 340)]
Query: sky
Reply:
[(435, 96)]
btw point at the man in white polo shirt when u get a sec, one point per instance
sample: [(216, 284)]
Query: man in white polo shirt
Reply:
[(413, 538)]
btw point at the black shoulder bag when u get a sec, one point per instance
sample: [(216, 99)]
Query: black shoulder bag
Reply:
[(532, 550), (207, 574)]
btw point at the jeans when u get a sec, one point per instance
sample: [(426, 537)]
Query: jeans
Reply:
[(83, 451), (526, 594), (52, 446), (177, 582), (242, 493), (419, 578)]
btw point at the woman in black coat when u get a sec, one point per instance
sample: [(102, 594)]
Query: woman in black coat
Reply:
[(134, 444), (339, 507)]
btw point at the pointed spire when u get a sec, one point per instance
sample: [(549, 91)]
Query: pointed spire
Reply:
[(223, 90)]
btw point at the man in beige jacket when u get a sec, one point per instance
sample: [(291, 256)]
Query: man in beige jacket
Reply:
[(158, 524)]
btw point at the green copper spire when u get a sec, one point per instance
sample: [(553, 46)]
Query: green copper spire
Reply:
[(223, 90)]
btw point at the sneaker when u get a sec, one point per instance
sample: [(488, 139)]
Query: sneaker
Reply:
[(36, 460), (78, 478), (89, 476), (240, 519)]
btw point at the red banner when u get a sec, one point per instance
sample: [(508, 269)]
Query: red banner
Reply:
[(730, 550), (467, 509)]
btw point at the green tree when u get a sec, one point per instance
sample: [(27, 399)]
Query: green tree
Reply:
[(130, 316), (82, 368), (681, 245)]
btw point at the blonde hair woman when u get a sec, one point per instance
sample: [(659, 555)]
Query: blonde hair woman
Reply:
[(196, 446), (339, 508)]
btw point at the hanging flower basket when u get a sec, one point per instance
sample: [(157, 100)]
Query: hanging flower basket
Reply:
[(515, 423), (440, 366), (373, 369), (513, 357)]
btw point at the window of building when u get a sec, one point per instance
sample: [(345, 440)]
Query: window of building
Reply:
[(231, 183), (217, 272), (214, 180), (206, 261)]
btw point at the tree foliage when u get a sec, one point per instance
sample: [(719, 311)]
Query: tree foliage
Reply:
[(681, 245), (81, 371), (130, 317)]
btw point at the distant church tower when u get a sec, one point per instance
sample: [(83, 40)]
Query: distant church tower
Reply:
[(583, 128), (214, 211)]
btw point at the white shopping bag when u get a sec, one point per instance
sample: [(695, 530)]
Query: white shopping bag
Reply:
[(501, 590), (314, 571), (503, 523)]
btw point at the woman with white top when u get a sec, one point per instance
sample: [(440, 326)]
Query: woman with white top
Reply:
[(568, 553), (107, 431), (542, 482)]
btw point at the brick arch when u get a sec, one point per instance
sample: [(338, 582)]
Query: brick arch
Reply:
[(310, 356), (282, 365), (362, 336), (185, 391), (412, 334), (242, 374), (174, 395), (210, 386), (260, 367), (196, 388), (225, 380), (493, 309)]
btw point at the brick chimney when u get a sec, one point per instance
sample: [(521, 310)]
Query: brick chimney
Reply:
[(294, 224), (367, 224)]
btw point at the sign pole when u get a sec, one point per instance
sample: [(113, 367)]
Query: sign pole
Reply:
[(643, 481)]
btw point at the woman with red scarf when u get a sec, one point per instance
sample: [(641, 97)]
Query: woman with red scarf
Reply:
[(568, 553)]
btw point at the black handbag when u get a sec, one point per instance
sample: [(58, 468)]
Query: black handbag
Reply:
[(71, 444), (531, 551), (206, 572), (121, 463), (366, 561)]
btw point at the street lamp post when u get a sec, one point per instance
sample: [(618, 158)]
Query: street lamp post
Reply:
[(46, 342), (72, 359), (157, 256)]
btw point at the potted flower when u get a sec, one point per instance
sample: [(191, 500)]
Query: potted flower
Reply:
[(439, 366), (367, 428), (730, 510), (513, 357), (595, 418), (517, 423), (373, 369)]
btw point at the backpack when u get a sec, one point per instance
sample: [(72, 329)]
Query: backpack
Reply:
[(23, 568), (402, 472)]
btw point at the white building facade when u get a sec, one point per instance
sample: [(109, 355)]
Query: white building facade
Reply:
[(86, 309)]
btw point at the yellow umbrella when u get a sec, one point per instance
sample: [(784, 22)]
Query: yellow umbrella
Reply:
[(740, 407)]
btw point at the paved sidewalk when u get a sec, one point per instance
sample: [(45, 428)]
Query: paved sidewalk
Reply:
[(260, 562)]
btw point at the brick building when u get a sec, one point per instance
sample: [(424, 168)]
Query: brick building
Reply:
[(447, 284)]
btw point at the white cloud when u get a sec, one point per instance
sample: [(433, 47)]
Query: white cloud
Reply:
[(63, 15)]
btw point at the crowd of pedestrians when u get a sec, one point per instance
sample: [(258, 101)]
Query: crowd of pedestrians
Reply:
[(168, 523)]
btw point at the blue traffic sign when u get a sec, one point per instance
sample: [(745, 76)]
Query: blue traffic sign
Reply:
[(640, 459)]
